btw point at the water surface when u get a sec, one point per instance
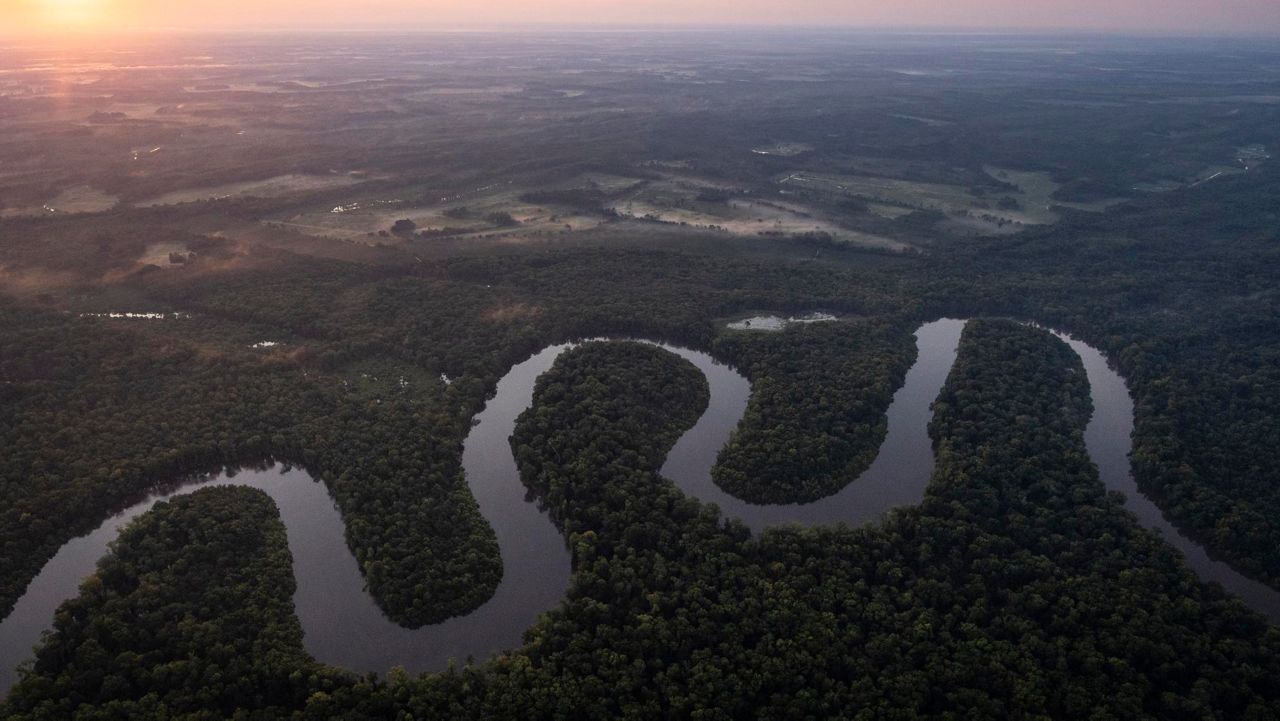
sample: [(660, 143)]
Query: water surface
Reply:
[(344, 627)]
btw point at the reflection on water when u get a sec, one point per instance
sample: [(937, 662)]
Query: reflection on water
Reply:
[(1108, 439), (344, 627), (897, 477)]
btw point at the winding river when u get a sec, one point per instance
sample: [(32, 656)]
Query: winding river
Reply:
[(344, 627)]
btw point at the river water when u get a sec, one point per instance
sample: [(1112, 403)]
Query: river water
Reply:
[(344, 627)]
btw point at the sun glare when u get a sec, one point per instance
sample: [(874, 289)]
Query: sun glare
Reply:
[(72, 13)]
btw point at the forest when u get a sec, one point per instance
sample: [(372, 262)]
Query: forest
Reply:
[(355, 258), (472, 316), (121, 400), (192, 615), (1179, 292), (1019, 589), (816, 415)]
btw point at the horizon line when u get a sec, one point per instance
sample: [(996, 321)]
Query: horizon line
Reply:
[(586, 28)]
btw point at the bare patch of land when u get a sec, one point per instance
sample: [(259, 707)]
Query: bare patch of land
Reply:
[(278, 186), (74, 200)]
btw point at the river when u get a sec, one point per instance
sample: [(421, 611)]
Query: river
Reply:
[(344, 627)]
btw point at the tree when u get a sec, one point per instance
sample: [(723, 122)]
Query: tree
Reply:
[(404, 227)]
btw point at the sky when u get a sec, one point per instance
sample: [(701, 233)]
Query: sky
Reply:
[(1252, 17)]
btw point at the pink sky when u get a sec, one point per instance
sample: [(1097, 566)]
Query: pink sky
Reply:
[(1161, 16)]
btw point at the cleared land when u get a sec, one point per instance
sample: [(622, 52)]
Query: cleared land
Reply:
[(705, 205), (74, 200), (276, 187)]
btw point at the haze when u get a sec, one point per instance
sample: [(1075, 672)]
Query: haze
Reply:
[(1251, 17)]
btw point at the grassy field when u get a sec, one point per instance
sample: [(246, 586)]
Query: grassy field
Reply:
[(74, 200), (276, 187), (705, 205)]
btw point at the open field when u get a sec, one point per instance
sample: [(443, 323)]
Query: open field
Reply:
[(1029, 203), (458, 215), (279, 186), (323, 150), (701, 204), (78, 199)]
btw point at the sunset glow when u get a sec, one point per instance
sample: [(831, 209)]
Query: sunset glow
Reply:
[(663, 360), (1169, 16), (69, 13)]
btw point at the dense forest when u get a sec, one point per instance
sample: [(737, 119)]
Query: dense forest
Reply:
[(816, 415), (1179, 291), (119, 408), (1019, 589), (176, 396), (190, 616), (96, 418)]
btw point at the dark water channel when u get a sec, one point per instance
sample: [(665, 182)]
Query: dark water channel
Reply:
[(344, 627)]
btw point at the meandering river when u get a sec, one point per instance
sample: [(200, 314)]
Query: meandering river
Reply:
[(344, 627)]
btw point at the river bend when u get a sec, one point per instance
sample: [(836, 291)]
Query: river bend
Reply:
[(344, 627)]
